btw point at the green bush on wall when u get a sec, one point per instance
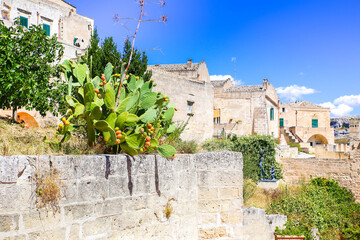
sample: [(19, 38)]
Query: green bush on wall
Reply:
[(250, 146)]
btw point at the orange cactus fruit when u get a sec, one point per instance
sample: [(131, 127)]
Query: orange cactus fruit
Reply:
[(101, 84), (67, 123), (145, 149), (118, 132), (147, 144), (176, 109), (99, 95), (137, 78), (116, 84), (127, 77), (152, 128), (142, 130), (96, 90), (165, 96), (61, 125), (119, 136), (118, 141), (148, 139), (63, 120)]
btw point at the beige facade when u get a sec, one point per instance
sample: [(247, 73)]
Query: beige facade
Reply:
[(59, 17), (243, 110), (189, 88), (354, 129), (306, 122)]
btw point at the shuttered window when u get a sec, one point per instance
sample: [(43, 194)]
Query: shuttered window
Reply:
[(281, 122), (315, 123), (46, 28), (271, 113), (24, 22)]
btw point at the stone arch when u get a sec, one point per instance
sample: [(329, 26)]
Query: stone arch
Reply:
[(317, 139)]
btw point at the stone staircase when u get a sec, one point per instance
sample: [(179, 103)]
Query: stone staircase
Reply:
[(291, 136)]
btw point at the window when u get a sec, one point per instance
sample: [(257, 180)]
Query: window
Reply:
[(189, 108), (216, 116), (271, 113), (314, 123), (283, 110), (281, 122), (46, 28), (24, 22)]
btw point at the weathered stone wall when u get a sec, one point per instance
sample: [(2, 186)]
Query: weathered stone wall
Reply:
[(346, 171), (259, 226), (183, 90), (120, 197)]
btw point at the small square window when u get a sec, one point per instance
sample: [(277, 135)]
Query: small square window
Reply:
[(315, 123), (283, 110)]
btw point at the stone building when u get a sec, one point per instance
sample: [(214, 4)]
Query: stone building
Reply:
[(244, 110), (305, 123), (56, 17), (354, 129), (189, 88)]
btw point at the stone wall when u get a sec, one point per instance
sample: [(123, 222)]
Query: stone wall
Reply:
[(182, 91), (346, 171), (259, 226), (120, 197)]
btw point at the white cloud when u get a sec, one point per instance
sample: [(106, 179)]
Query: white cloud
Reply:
[(225, 77), (294, 92), (338, 110), (351, 100)]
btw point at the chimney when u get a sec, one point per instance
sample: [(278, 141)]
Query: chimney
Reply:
[(189, 61), (265, 82)]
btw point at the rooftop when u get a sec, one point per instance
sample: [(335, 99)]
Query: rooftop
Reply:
[(305, 104), (249, 88), (189, 66)]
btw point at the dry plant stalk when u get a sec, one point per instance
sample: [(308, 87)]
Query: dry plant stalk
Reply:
[(48, 185), (139, 20)]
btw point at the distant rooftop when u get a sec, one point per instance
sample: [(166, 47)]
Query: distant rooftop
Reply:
[(248, 88), (189, 66), (218, 83), (305, 104)]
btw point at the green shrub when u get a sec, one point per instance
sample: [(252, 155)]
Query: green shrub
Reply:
[(185, 146), (250, 146), (218, 145), (321, 204), (297, 145)]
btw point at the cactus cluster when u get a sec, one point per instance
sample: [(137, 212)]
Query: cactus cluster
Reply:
[(129, 116)]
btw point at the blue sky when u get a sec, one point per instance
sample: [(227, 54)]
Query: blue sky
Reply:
[(308, 49)]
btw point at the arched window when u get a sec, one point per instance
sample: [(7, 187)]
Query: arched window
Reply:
[(271, 113)]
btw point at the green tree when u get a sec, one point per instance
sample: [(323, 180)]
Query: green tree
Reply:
[(138, 63), (107, 52), (27, 58), (95, 55)]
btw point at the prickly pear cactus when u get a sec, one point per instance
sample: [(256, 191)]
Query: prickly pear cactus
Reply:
[(130, 117)]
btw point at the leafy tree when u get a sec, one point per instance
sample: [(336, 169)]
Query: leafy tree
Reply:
[(100, 55), (139, 61), (26, 67), (95, 55)]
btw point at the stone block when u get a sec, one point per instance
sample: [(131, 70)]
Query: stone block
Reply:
[(212, 233), (40, 219), (228, 178), (209, 218), (93, 189), (208, 193), (229, 193), (112, 207), (8, 169), (9, 222), (74, 231), (54, 234), (118, 186), (79, 211), (69, 192), (209, 206), (16, 237), (231, 217), (118, 165), (206, 178), (98, 226)]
